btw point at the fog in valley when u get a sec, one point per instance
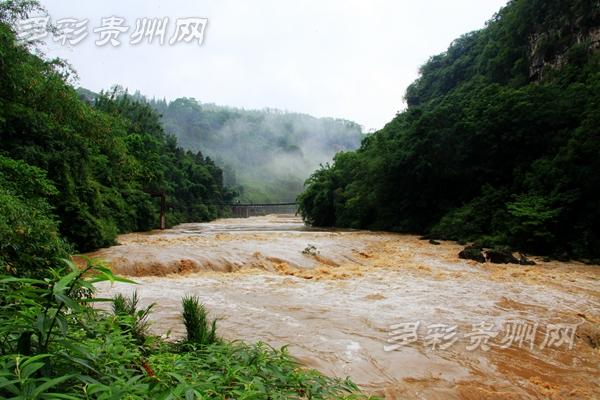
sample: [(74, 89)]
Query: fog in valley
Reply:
[(265, 154)]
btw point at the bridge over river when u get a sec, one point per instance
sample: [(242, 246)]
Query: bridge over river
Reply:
[(238, 210), (241, 210)]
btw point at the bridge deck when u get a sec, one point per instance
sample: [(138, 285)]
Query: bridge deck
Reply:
[(250, 210)]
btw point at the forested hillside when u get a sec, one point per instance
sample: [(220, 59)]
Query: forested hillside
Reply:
[(86, 172), (266, 154), (500, 141)]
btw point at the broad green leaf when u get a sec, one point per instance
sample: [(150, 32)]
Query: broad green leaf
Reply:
[(30, 369), (69, 302), (50, 383)]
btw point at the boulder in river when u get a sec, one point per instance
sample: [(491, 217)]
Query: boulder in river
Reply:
[(472, 253), (500, 255)]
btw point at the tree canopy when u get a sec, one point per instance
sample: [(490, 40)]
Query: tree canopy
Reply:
[(99, 164)]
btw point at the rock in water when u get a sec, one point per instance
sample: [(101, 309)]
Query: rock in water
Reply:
[(500, 255), (472, 253), (523, 260)]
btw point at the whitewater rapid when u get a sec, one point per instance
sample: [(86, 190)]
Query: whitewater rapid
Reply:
[(370, 305)]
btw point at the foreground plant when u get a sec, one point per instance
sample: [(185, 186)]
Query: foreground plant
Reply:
[(54, 345), (133, 318), (237, 370), (199, 330)]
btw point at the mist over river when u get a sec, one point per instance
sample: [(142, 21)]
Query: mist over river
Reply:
[(401, 317)]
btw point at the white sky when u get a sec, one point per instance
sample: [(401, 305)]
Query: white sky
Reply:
[(340, 58)]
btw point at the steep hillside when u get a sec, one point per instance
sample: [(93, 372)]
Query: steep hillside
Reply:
[(97, 166), (499, 142)]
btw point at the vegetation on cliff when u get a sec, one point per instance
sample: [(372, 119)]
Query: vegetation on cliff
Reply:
[(499, 143)]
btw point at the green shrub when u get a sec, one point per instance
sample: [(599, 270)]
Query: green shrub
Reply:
[(200, 331), (476, 219), (29, 239), (533, 221), (131, 318), (241, 371)]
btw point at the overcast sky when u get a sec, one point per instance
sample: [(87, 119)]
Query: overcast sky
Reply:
[(345, 58)]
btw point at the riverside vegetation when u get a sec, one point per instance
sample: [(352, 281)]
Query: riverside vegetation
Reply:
[(73, 175), (499, 143), (54, 345), (108, 159)]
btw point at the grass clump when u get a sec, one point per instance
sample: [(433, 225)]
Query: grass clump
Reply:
[(130, 317), (236, 370), (200, 331)]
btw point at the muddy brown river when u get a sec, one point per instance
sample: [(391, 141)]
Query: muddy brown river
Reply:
[(403, 318)]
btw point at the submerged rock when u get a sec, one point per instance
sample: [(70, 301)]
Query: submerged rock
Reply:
[(500, 256), (472, 253), (434, 242), (523, 260)]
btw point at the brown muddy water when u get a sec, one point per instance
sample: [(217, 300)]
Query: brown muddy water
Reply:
[(398, 315)]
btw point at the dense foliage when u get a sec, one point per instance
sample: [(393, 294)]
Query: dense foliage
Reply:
[(499, 142), (29, 240), (107, 160), (266, 154)]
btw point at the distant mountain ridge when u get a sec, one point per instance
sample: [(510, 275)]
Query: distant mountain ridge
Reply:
[(267, 154)]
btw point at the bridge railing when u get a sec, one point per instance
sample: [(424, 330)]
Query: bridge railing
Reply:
[(251, 210)]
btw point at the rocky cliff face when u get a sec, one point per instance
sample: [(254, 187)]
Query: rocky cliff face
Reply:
[(550, 50)]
